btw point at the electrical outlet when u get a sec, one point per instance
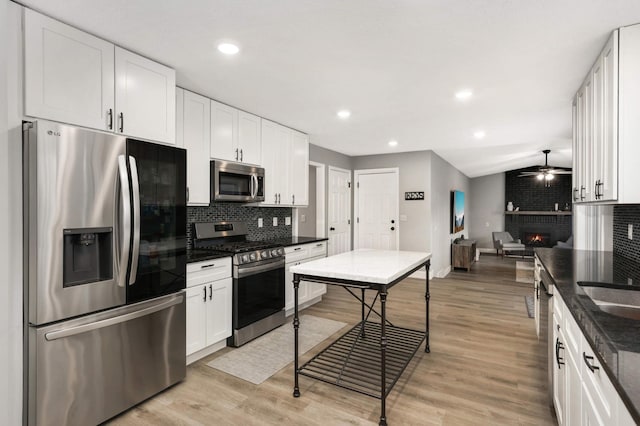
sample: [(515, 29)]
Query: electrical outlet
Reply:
[(260, 222), (287, 221), (303, 218), (630, 231), (487, 224), (275, 221), (629, 281)]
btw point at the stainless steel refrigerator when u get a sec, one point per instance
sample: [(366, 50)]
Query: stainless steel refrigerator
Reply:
[(105, 272)]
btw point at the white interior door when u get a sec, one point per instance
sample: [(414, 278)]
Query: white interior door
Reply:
[(377, 209), (339, 211)]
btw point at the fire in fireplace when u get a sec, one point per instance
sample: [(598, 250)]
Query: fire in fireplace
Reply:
[(537, 239)]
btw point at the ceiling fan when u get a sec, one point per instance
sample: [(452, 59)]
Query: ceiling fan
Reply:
[(546, 172)]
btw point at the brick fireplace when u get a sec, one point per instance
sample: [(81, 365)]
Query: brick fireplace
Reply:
[(536, 223)]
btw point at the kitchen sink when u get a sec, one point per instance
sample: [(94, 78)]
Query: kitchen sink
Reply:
[(621, 302)]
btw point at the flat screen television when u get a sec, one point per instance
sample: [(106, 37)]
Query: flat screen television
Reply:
[(457, 211)]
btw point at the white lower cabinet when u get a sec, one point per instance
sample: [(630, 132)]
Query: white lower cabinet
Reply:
[(582, 392), (308, 293), (209, 295)]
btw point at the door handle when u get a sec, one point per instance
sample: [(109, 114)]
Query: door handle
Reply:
[(126, 220), (559, 346), (72, 331), (110, 113), (135, 185), (587, 360)]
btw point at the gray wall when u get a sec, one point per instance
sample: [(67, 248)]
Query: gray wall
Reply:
[(307, 228), (414, 176), (10, 215), (487, 202), (444, 179)]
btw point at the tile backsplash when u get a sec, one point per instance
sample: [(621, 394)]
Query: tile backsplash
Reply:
[(219, 212), (623, 215)]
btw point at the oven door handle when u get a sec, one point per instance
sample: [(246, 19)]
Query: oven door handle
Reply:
[(252, 270)]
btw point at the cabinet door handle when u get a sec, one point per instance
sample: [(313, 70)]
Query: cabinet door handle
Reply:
[(293, 199), (559, 346), (575, 194), (187, 194), (236, 154), (582, 197), (110, 113), (393, 228), (297, 248), (332, 229), (587, 360), (205, 293), (210, 291), (211, 265), (121, 122), (278, 198), (319, 245), (241, 155)]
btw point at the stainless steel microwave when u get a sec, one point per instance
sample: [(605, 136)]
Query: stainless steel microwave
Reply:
[(236, 182)]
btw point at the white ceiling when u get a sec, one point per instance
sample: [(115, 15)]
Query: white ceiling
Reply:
[(395, 64)]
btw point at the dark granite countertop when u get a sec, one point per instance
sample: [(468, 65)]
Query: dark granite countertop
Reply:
[(195, 255), (616, 340), (294, 241)]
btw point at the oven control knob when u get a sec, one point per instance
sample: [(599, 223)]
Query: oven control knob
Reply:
[(274, 252), (264, 254), (253, 256), (244, 258)]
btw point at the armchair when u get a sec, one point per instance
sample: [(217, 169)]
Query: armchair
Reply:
[(503, 241)]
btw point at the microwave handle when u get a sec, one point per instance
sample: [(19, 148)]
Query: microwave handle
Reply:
[(254, 186)]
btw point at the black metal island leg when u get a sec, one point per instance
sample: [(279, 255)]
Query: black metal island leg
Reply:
[(383, 357), (427, 296), (296, 325)]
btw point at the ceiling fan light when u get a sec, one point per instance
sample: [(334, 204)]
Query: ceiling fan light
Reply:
[(540, 176), (548, 176)]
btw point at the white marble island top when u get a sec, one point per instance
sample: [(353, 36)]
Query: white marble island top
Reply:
[(364, 265)]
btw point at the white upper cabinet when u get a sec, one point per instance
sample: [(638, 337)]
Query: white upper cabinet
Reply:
[(193, 134), (76, 78), (285, 158), (69, 74), (224, 136), (299, 169), (145, 97), (235, 134), (606, 128), (249, 137)]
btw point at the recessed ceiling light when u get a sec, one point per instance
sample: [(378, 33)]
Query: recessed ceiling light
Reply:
[(228, 48), (479, 134), (393, 143), (344, 114), (464, 95)]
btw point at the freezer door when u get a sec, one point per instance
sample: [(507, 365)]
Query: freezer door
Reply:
[(87, 370), (159, 198), (75, 198)]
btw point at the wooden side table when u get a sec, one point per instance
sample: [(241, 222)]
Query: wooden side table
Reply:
[(463, 253)]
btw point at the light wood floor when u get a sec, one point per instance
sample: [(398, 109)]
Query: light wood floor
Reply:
[(484, 367)]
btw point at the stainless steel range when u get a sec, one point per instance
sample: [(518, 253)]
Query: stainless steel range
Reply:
[(258, 278)]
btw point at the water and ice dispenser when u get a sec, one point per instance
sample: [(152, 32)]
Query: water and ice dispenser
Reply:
[(88, 256)]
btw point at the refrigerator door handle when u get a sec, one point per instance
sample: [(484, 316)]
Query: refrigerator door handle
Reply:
[(135, 184), (126, 220), (72, 331)]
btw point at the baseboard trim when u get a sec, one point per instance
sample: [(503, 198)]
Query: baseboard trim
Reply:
[(486, 250), (444, 272), (206, 351)]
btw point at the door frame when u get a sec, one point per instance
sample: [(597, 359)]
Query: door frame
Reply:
[(321, 228), (349, 204), (395, 171)]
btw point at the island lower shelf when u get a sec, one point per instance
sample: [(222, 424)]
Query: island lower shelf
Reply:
[(353, 361)]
